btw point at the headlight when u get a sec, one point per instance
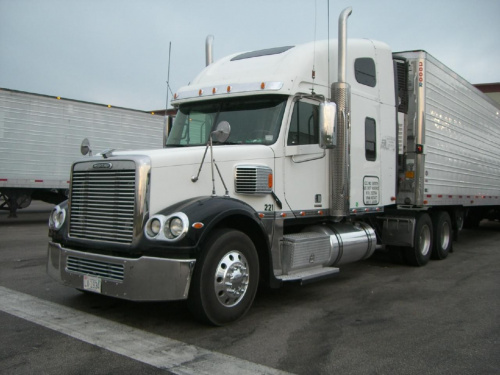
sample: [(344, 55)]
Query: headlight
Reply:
[(57, 217), (176, 227), (153, 227), (167, 228)]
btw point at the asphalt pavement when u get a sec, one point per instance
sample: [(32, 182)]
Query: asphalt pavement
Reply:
[(378, 316)]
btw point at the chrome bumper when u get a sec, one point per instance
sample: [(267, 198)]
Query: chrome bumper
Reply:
[(142, 279)]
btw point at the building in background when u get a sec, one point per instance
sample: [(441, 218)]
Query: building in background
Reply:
[(490, 89)]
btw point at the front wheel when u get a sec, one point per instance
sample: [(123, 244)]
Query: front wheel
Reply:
[(225, 278)]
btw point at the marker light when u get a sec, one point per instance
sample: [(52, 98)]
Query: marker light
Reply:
[(270, 180)]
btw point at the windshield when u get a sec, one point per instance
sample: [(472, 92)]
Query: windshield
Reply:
[(253, 120)]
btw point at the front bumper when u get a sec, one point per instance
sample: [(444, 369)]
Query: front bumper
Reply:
[(142, 279)]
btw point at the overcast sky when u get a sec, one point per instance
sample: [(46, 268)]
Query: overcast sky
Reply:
[(116, 51)]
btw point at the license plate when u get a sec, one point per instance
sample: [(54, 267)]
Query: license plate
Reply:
[(92, 283)]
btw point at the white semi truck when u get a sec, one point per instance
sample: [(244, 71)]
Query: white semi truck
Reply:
[(270, 174), (40, 137)]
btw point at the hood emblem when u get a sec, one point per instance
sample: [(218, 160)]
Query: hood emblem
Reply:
[(102, 166)]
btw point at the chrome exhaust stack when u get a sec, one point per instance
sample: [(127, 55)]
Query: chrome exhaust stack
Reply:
[(340, 159)]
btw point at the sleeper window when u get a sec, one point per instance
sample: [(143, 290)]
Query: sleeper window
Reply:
[(364, 70), (370, 139)]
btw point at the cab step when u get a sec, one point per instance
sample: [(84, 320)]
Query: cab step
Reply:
[(310, 275)]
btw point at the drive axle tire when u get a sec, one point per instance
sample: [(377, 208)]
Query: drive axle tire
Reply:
[(225, 278), (420, 253), (442, 226)]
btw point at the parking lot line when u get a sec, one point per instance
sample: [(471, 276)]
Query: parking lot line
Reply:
[(161, 352)]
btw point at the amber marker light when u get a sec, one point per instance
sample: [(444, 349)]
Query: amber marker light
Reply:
[(109, 105), (214, 90), (270, 180), (261, 215), (229, 89), (200, 92), (198, 225), (263, 85)]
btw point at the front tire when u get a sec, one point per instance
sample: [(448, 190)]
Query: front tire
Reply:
[(225, 278), (420, 253)]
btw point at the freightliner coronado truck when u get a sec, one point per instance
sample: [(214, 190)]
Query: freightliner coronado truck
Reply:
[(272, 175)]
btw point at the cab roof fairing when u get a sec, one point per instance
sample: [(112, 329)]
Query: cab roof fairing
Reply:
[(288, 72), (283, 73)]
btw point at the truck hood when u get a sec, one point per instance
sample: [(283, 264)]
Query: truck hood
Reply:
[(188, 156), (172, 170)]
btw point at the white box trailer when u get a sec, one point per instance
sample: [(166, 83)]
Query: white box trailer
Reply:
[(40, 137), (449, 133)]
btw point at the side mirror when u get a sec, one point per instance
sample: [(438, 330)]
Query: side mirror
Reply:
[(85, 147), (221, 132), (327, 125), (167, 126)]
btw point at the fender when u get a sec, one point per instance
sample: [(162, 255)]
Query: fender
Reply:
[(211, 212)]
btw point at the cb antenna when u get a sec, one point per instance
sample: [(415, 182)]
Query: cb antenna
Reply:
[(328, 43), (313, 74), (168, 76)]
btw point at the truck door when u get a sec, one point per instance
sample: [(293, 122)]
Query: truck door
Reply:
[(305, 169)]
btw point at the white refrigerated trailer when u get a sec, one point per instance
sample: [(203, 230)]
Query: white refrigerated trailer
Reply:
[(271, 175), (40, 137), (449, 134)]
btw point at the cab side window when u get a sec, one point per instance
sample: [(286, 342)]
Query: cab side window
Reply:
[(370, 139), (304, 125)]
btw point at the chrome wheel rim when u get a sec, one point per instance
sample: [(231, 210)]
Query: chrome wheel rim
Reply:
[(425, 240), (445, 235), (231, 278)]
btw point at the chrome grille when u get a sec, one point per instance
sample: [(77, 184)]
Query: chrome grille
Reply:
[(103, 205), (95, 268), (253, 179)]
